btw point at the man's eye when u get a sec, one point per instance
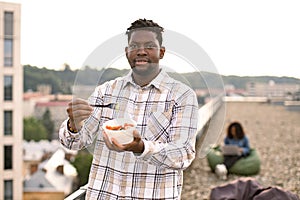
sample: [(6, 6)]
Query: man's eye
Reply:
[(133, 46), (150, 46)]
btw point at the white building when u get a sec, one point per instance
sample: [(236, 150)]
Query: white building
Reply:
[(11, 96), (55, 174), (271, 89)]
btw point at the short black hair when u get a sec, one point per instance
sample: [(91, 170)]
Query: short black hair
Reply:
[(144, 24)]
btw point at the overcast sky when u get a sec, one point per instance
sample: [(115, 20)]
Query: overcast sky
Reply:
[(257, 37)]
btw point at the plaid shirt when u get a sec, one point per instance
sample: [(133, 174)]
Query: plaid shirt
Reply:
[(166, 112)]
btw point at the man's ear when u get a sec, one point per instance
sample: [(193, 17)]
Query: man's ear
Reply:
[(162, 52), (126, 52)]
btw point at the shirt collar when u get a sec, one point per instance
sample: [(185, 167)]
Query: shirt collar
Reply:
[(160, 81)]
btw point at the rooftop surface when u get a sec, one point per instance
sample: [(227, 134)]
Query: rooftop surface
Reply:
[(273, 131)]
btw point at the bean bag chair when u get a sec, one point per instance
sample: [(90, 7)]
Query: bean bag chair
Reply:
[(249, 165), (250, 189)]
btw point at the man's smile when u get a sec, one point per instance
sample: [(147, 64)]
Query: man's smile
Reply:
[(141, 61)]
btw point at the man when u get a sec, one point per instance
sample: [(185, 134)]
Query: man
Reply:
[(166, 112)]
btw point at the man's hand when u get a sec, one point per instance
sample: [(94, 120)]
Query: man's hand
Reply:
[(136, 146), (78, 110)]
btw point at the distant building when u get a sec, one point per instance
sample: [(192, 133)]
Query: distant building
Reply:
[(11, 110), (29, 101), (271, 89), (83, 91), (36, 152), (57, 111), (44, 89), (52, 179), (36, 103), (232, 91), (38, 187)]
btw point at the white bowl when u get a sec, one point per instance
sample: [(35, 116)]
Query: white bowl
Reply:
[(123, 136)]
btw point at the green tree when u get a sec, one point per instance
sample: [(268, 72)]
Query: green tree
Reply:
[(67, 67), (48, 124), (34, 129), (82, 163)]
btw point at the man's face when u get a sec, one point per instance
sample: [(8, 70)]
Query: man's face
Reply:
[(144, 52)]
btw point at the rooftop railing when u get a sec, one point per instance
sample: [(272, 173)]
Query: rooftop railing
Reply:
[(78, 194)]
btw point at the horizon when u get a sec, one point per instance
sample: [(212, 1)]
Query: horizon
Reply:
[(242, 76), (238, 41)]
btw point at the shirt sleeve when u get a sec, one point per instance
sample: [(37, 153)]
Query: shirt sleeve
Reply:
[(180, 133), (88, 132), (226, 141), (246, 147)]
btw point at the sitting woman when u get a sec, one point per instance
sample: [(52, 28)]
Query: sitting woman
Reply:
[(235, 136)]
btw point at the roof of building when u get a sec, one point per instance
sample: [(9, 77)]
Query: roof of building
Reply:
[(34, 151), (48, 176), (30, 95), (38, 181), (52, 103)]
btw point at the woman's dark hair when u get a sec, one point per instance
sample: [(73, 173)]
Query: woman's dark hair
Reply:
[(144, 24), (238, 129)]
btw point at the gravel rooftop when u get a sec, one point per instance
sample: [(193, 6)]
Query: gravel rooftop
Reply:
[(273, 131)]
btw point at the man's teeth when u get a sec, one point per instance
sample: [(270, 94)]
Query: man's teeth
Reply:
[(141, 62)]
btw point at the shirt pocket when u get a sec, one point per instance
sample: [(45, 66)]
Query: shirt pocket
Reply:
[(105, 113), (158, 126)]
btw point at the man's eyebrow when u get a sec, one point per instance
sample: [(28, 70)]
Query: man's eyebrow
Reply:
[(149, 42)]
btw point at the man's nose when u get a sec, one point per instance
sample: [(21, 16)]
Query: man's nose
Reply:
[(141, 51)]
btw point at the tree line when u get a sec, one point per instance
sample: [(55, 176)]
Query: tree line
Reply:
[(63, 80)]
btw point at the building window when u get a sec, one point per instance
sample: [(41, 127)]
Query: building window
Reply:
[(8, 88), (8, 38), (8, 157), (8, 52), (8, 23), (8, 190), (8, 122)]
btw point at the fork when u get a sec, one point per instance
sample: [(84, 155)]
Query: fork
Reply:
[(110, 105)]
